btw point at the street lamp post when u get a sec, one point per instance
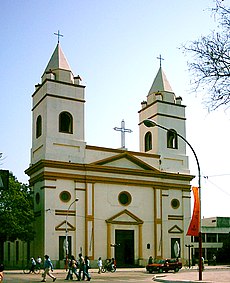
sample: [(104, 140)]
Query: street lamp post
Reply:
[(189, 253), (66, 232), (150, 123)]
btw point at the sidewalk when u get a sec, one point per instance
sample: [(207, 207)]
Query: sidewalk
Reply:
[(211, 274)]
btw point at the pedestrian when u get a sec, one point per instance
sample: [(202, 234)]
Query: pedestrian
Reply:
[(70, 272), (214, 259), (1, 272), (33, 264), (150, 261), (74, 266), (48, 266), (86, 269), (39, 262), (99, 264), (202, 263), (82, 268)]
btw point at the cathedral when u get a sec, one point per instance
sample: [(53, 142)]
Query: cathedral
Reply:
[(100, 201)]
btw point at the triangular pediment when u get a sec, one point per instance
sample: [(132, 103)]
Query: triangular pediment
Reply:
[(175, 229), (63, 226), (125, 217), (125, 160)]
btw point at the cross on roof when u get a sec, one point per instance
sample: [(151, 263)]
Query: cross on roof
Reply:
[(58, 35), (123, 130), (160, 58)]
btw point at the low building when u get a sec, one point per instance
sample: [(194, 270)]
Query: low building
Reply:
[(215, 230)]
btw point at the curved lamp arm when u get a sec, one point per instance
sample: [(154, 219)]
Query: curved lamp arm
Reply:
[(150, 123)]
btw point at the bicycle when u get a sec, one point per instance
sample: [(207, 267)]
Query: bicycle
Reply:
[(109, 266), (27, 269)]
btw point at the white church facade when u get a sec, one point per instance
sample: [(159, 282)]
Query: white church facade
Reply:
[(107, 202)]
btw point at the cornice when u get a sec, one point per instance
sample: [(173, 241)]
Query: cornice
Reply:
[(83, 175), (161, 102), (58, 82), (107, 169)]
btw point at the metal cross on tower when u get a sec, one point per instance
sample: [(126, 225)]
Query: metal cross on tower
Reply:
[(160, 58), (58, 35), (123, 130)]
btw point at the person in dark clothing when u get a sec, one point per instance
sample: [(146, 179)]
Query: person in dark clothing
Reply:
[(82, 268), (87, 267)]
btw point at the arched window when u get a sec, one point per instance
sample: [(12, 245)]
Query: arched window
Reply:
[(148, 141), (172, 139), (66, 123), (39, 126)]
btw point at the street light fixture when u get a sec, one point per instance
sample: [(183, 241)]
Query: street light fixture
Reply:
[(150, 123), (66, 231)]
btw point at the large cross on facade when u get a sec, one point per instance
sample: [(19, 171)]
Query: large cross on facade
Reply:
[(58, 35), (160, 58), (123, 130)]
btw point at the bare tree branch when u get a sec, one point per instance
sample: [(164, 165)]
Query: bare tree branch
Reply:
[(210, 63)]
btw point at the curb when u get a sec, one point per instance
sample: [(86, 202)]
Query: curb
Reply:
[(177, 281)]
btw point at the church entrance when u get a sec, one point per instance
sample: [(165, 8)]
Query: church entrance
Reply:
[(124, 249), (62, 247)]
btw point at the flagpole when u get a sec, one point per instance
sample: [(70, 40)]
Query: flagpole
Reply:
[(150, 123)]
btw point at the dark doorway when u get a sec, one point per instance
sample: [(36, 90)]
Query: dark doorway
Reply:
[(62, 251), (124, 249)]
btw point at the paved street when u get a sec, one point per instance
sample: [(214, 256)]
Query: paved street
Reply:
[(122, 275), (217, 274)]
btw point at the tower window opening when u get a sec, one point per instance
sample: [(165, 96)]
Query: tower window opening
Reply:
[(172, 141), (39, 126), (66, 123), (148, 141)]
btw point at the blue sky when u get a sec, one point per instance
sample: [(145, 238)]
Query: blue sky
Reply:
[(112, 45)]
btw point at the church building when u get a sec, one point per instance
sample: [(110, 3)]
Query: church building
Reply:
[(100, 201)]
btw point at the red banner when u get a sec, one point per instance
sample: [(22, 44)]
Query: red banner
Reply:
[(194, 227)]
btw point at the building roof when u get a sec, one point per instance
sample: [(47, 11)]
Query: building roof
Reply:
[(160, 83), (58, 60), (216, 221)]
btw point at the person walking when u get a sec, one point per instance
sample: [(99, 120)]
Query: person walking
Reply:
[(214, 259), (48, 266), (39, 262), (74, 266), (99, 264), (33, 264), (69, 275), (82, 268), (86, 269)]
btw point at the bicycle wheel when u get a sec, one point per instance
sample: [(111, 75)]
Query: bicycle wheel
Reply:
[(26, 270), (37, 270), (103, 270)]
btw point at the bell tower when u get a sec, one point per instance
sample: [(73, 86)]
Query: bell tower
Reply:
[(58, 113), (165, 109)]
